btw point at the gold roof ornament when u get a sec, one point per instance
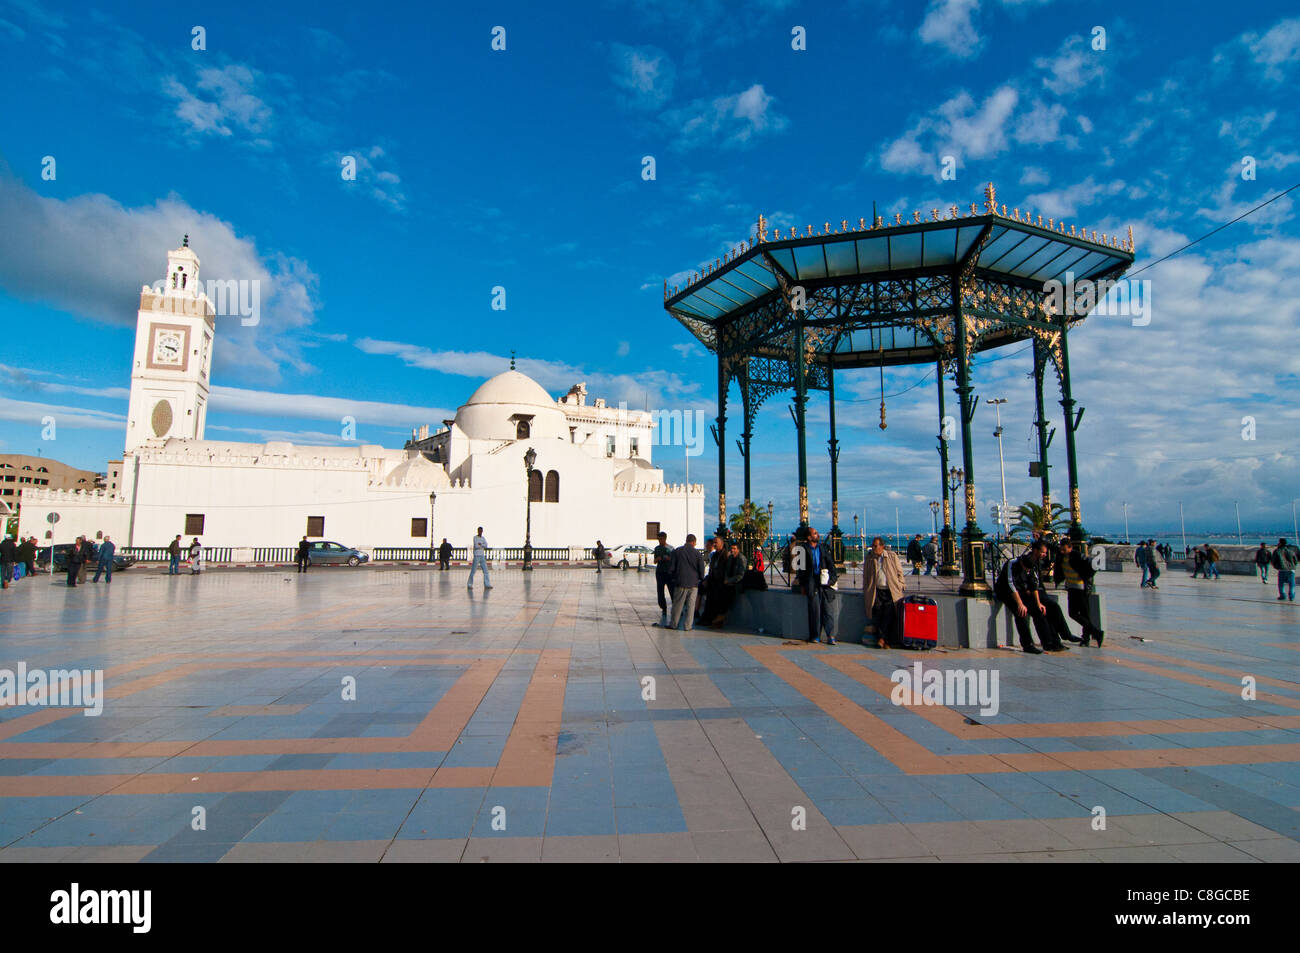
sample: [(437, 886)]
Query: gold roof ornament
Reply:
[(974, 208), (762, 228), (1051, 224), (1015, 212), (1004, 210), (1130, 238), (934, 215), (916, 216), (898, 218), (1040, 221), (880, 222), (826, 229), (991, 198), (952, 211), (862, 223)]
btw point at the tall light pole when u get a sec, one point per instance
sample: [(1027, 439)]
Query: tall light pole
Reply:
[(934, 515), (1237, 510), (530, 457), (432, 498), (997, 403), (1295, 533), (1183, 523), (948, 565), (1125, 524)]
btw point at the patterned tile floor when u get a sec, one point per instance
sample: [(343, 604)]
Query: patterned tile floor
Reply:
[(390, 715)]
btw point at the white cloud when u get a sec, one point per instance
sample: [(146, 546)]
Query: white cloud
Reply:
[(380, 184), (736, 120), (1277, 48), (261, 403), (951, 25), (959, 127), (644, 73), (118, 249), (1075, 65), (1032, 175), (230, 104), (1067, 201)]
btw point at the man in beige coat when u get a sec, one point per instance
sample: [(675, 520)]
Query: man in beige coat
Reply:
[(882, 589)]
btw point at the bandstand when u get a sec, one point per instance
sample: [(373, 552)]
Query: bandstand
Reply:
[(784, 312)]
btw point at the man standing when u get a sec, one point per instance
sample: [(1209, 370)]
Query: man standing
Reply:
[(303, 556), (931, 553), (711, 594), (1018, 588), (1076, 573), (732, 567), (914, 554), (104, 560), (480, 550), (599, 553), (8, 556), (882, 590), (444, 555), (685, 572), (174, 557), (196, 557), (816, 576), (88, 550), (1262, 559), (1285, 560), (76, 556), (663, 585)]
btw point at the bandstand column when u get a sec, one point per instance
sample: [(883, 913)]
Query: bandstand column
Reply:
[(1040, 367), (948, 543), (972, 550), (747, 434), (833, 445), (800, 402), (723, 380), (1071, 425)]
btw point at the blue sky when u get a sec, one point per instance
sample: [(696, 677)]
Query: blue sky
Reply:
[(522, 169)]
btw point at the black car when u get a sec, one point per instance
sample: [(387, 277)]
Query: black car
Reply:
[(61, 550)]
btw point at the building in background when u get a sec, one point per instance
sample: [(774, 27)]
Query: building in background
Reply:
[(593, 476)]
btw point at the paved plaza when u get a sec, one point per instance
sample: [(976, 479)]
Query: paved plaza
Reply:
[(387, 714)]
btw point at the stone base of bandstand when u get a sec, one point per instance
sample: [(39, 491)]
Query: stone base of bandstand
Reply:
[(964, 622)]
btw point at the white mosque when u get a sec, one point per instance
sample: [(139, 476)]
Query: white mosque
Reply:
[(592, 476)]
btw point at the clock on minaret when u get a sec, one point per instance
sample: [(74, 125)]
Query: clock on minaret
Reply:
[(175, 327)]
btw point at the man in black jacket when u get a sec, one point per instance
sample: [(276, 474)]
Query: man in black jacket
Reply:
[(76, 559), (663, 580), (303, 556), (1018, 587), (8, 556), (686, 570), (1073, 569), (816, 576), (915, 556), (444, 555)]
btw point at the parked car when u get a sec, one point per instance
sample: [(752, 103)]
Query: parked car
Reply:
[(120, 560), (325, 553), (625, 556)]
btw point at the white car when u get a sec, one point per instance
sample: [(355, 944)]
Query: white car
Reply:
[(628, 555)]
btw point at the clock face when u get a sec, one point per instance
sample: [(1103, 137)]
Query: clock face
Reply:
[(168, 347)]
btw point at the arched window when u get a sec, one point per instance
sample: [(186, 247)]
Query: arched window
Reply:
[(173, 279), (184, 277), (552, 487), (535, 486), (522, 430)]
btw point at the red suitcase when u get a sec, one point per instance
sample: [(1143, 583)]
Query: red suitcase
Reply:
[(920, 623)]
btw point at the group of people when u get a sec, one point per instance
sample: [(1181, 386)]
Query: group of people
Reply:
[(1205, 559), (923, 553), (17, 559), (699, 587), (1022, 587), (1147, 556), (1285, 558), (194, 552)]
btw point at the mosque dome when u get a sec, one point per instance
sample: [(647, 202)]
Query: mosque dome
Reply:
[(503, 403)]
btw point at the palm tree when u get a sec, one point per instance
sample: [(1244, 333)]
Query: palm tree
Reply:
[(1034, 518), (750, 520)]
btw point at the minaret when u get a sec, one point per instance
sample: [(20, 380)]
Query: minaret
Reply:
[(172, 364)]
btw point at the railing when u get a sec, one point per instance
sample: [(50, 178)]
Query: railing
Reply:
[(146, 554), (274, 554), (385, 554)]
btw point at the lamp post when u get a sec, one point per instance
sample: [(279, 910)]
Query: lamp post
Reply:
[(1183, 523), (433, 498), (948, 567), (1295, 533), (1237, 510), (997, 403), (934, 515), (530, 457), (1125, 505)]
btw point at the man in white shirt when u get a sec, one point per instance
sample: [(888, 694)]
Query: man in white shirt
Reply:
[(479, 562)]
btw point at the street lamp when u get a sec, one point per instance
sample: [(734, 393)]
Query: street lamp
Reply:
[(934, 515), (530, 457), (997, 402), (1125, 505), (948, 565), (433, 497)]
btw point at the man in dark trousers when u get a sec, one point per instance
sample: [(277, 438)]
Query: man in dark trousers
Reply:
[(662, 557), (816, 575), (914, 554), (27, 555), (8, 556), (1018, 587), (174, 556), (1074, 570), (104, 560), (444, 555), (599, 553), (76, 557), (1262, 559), (686, 572), (883, 589), (303, 556)]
